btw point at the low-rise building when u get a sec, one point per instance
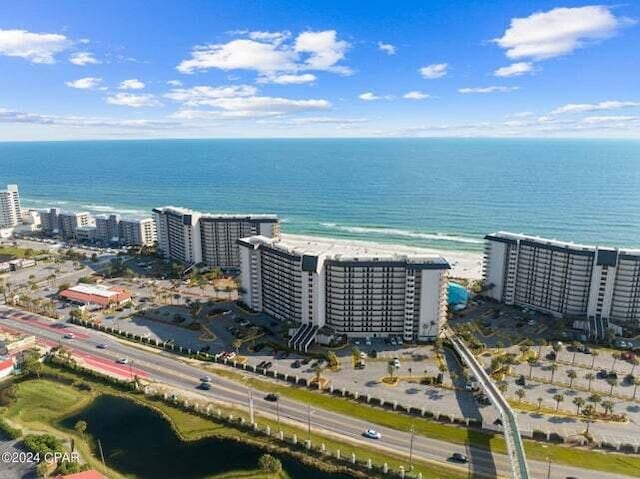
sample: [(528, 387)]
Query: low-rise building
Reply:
[(86, 234), (357, 291), (96, 295)]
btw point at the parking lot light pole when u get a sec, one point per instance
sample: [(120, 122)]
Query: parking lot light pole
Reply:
[(309, 422), (278, 412), (251, 415), (548, 468), (411, 445)]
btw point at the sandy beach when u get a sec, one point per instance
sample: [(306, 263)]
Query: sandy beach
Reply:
[(464, 264)]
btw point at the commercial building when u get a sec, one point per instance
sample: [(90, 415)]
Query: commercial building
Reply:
[(357, 291), (107, 228), (10, 212), (96, 295), (564, 279), (137, 232), (192, 237)]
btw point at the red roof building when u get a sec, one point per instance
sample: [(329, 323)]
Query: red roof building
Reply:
[(98, 295)]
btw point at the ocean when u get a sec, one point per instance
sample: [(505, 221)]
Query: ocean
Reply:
[(436, 193)]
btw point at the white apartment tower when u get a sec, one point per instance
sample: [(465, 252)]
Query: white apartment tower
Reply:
[(353, 290), (10, 212), (564, 279), (137, 232), (192, 237)]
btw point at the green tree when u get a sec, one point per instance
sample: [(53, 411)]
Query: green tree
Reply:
[(578, 403), (532, 362), (571, 374), (613, 382), (553, 368), (332, 359), (237, 343), (558, 398), (270, 464), (31, 364), (636, 383), (607, 406), (81, 427), (594, 355), (595, 399), (589, 411), (391, 369), (539, 403), (589, 377), (615, 355), (521, 393)]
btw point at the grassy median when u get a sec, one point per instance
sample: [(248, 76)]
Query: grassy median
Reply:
[(571, 456)]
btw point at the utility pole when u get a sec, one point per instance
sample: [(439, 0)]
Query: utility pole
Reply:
[(309, 422), (413, 431), (548, 468), (278, 412), (251, 416)]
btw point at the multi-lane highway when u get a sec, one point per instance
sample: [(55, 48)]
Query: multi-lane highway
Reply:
[(179, 375)]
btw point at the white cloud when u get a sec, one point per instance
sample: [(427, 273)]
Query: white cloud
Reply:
[(86, 83), (601, 106), (174, 83), (251, 107), (521, 114), (514, 70), (436, 70), (592, 120), (324, 49), (288, 79), (415, 95), (488, 89), (83, 58), (271, 53), (558, 31), (207, 95), (131, 84), (133, 100), (387, 48), (370, 96), (10, 116), (34, 47)]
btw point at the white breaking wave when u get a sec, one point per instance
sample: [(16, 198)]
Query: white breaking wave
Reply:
[(402, 233)]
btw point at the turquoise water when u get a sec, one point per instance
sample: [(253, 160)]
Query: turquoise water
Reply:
[(442, 193)]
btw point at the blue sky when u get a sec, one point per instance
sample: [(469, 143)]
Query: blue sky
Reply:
[(80, 70)]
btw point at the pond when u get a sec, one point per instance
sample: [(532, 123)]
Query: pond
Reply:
[(139, 443)]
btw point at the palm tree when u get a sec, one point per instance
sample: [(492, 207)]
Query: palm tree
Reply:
[(607, 406), (532, 363), (541, 343), (81, 427), (571, 374), (556, 348), (589, 377), (539, 403), (578, 402), (574, 345), (237, 343), (615, 355), (521, 393), (635, 361), (558, 398), (594, 355), (636, 383), (589, 411), (553, 368), (503, 386), (613, 382), (595, 399), (391, 369)]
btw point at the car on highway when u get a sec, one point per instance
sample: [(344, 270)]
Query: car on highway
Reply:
[(69, 336), (122, 361), (272, 397), (102, 346), (372, 434), (459, 457), (205, 379), (206, 386)]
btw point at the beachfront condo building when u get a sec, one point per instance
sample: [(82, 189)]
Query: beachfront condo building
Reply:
[(10, 212), (107, 228), (71, 221), (192, 237), (137, 232), (564, 279), (50, 221), (347, 289)]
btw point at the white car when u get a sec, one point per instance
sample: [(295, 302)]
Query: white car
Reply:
[(69, 336), (372, 434), (122, 361)]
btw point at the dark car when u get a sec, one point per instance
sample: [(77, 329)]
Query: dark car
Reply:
[(306, 361), (521, 381), (295, 364), (551, 356), (459, 457), (272, 397), (204, 386), (603, 374)]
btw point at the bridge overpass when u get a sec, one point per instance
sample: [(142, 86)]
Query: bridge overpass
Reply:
[(515, 446)]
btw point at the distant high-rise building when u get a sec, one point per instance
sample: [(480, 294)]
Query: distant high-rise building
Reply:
[(599, 284), (70, 222), (137, 232), (107, 228), (10, 212), (193, 237)]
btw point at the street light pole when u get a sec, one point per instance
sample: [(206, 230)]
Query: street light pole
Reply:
[(309, 422), (278, 412), (251, 416), (548, 468), (411, 446)]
